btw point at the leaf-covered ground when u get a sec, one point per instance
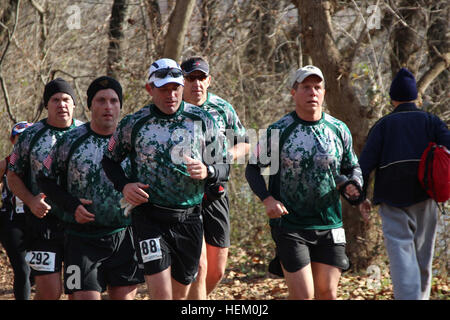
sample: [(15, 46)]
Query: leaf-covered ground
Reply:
[(247, 279)]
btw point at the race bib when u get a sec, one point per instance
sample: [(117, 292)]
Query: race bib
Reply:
[(338, 235), (19, 205), (41, 260), (150, 250)]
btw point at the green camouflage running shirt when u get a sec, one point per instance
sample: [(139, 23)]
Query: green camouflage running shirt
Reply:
[(226, 118), (31, 149), (311, 156), (156, 142), (75, 162)]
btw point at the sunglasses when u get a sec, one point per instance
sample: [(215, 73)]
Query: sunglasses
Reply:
[(162, 73), (191, 78)]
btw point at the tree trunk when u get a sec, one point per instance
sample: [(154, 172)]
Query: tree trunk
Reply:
[(261, 46), (154, 16), (405, 39), (343, 104), (438, 41), (118, 14), (176, 32), (10, 14), (207, 9), (6, 17)]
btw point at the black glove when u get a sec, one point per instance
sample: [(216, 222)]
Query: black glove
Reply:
[(352, 200)]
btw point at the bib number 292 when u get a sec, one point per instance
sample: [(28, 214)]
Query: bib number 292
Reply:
[(150, 250), (41, 260)]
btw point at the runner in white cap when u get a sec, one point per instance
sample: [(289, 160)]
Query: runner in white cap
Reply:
[(166, 142)]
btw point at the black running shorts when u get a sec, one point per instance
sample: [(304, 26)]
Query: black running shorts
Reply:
[(95, 263), (177, 245), (297, 249), (216, 222)]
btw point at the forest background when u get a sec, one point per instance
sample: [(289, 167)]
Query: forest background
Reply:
[(252, 47)]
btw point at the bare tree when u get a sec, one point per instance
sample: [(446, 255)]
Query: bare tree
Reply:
[(6, 17), (406, 41), (420, 28), (155, 29), (207, 11), (262, 44), (118, 14), (176, 32), (438, 42), (11, 11)]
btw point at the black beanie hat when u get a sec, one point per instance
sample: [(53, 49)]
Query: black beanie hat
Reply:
[(102, 83), (55, 86), (403, 87)]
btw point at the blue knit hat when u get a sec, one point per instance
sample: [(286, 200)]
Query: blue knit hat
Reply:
[(403, 87)]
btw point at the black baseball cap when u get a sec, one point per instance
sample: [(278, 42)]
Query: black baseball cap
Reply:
[(193, 64)]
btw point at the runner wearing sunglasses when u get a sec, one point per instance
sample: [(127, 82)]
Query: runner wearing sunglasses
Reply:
[(215, 209), (167, 143), (163, 73)]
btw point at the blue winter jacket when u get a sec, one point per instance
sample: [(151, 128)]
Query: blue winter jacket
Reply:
[(393, 148)]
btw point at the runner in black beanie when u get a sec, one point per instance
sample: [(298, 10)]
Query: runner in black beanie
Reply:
[(102, 83), (55, 86)]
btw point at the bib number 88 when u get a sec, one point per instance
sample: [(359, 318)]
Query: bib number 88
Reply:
[(150, 250)]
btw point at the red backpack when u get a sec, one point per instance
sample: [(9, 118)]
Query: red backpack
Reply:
[(434, 172)]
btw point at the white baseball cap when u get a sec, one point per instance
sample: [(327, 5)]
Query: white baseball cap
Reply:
[(304, 72), (165, 71)]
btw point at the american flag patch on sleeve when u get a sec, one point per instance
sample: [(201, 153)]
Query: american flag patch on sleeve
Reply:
[(13, 158), (48, 162), (111, 144)]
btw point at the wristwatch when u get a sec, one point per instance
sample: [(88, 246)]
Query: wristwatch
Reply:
[(211, 171)]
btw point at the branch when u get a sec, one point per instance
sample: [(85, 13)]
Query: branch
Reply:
[(5, 18), (2, 80), (41, 12), (433, 73), (6, 97), (377, 67), (401, 20), (55, 71), (37, 6)]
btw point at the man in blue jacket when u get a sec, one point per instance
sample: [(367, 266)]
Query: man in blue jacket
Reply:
[(409, 217)]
